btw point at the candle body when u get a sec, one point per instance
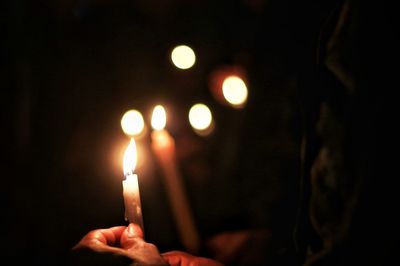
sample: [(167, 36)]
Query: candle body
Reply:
[(133, 207), (163, 146)]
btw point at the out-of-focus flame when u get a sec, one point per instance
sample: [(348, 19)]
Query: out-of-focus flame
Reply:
[(200, 116), (183, 57), (235, 91), (132, 123), (130, 158), (158, 118)]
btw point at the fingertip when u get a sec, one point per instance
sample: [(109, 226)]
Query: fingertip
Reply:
[(132, 235), (134, 230), (171, 259), (176, 257)]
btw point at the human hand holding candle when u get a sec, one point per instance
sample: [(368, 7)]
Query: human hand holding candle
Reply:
[(163, 146), (122, 245), (118, 243), (133, 208)]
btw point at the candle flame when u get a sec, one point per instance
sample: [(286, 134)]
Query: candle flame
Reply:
[(130, 158), (159, 118)]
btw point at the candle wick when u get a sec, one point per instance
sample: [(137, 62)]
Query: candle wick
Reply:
[(128, 173)]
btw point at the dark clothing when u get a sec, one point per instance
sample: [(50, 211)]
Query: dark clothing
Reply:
[(347, 216)]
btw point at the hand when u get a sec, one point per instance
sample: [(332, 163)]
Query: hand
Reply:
[(179, 258), (122, 241), (244, 247), (127, 242)]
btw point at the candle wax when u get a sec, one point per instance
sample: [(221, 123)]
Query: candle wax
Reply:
[(163, 146), (133, 209)]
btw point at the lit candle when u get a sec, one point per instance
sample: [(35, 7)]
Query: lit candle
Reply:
[(163, 146), (133, 208)]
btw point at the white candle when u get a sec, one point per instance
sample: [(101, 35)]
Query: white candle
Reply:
[(163, 146), (131, 194)]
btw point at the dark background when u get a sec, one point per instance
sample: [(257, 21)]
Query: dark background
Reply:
[(71, 68)]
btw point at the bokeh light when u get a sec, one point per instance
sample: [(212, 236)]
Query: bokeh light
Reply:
[(223, 76), (158, 118), (183, 57), (200, 118), (235, 91), (132, 123)]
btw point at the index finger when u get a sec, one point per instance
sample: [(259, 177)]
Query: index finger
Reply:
[(112, 235)]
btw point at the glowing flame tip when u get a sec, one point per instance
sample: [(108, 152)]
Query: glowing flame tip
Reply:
[(130, 158), (159, 118)]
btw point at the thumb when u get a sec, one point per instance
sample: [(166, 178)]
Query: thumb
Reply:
[(137, 249), (131, 236)]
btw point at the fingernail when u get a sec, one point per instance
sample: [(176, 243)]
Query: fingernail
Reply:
[(131, 230)]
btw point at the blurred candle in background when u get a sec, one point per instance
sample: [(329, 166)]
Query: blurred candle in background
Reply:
[(163, 146)]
